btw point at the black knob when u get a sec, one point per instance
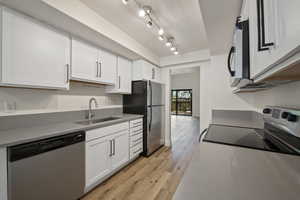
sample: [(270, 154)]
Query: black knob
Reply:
[(267, 110), (284, 115), (292, 118)]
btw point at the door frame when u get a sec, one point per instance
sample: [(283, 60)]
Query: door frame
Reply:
[(176, 90)]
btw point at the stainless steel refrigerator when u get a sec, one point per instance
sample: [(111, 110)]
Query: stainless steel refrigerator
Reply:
[(147, 99)]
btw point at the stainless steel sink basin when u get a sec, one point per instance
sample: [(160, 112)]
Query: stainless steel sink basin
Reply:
[(96, 121)]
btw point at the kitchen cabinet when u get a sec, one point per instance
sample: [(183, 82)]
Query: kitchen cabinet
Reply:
[(274, 33), (143, 70), (107, 149), (120, 149), (123, 79), (98, 162), (90, 64), (34, 55), (84, 62)]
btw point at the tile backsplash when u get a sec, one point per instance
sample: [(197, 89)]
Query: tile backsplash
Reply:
[(75, 98)]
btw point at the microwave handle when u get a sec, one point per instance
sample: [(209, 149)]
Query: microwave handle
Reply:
[(231, 72)]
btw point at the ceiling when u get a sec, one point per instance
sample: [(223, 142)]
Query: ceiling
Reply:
[(180, 18), (219, 18)]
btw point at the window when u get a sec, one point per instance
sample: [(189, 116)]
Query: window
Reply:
[(181, 102)]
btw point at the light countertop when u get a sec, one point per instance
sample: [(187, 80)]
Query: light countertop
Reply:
[(22, 135), (223, 172)]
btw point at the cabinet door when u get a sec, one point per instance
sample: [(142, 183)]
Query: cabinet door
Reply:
[(33, 54), (157, 74), (84, 61), (124, 72), (98, 161), (148, 71), (120, 149), (108, 67)]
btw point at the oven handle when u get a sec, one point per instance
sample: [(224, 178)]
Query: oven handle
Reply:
[(204, 131), (231, 72)]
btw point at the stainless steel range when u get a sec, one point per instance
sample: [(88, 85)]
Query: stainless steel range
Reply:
[(281, 132)]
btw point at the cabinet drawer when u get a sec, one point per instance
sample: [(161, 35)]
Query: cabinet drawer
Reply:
[(135, 131), (134, 151), (101, 132), (137, 122), (134, 140)]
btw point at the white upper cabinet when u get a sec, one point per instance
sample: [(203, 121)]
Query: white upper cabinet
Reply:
[(33, 55), (274, 33), (107, 67), (89, 64), (84, 61), (123, 79), (142, 70)]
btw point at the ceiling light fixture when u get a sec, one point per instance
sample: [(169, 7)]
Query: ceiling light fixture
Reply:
[(125, 2), (152, 21), (149, 23), (161, 31), (169, 41), (142, 13)]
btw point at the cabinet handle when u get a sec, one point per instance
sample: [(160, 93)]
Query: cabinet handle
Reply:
[(68, 73), (262, 45), (100, 69), (119, 82), (110, 148), (97, 65), (114, 145)]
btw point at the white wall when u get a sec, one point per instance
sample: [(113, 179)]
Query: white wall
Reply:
[(189, 81), (215, 92), (76, 98)]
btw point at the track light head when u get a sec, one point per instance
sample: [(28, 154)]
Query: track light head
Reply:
[(125, 2), (176, 52), (142, 13), (161, 31), (161, 38)]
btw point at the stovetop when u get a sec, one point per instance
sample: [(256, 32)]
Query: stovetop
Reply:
[(260, 139)]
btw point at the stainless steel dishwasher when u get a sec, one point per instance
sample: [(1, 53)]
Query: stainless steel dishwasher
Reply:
[(47, 169)]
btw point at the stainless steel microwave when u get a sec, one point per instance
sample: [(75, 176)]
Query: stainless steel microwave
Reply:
[(239, 55)]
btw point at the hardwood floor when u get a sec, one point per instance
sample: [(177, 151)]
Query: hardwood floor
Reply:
[(156, 177)]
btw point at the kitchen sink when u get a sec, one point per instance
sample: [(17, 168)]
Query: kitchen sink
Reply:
[(96, 121)]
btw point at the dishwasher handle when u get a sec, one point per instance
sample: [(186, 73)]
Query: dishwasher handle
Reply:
[(26, 150)]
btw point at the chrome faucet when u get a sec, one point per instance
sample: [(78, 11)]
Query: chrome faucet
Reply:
[(91, 113)]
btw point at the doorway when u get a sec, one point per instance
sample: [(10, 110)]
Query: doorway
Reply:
[(182, 102)]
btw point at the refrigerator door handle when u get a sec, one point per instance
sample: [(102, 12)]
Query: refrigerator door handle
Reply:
[(150, 123)]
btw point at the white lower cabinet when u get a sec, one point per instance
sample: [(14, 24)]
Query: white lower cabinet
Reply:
[(120, 149), (106, 153), (110, 148), (98, 162)]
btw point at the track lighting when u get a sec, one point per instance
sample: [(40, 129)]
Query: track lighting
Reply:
[(125, 2), (161, 31), (148, 16)]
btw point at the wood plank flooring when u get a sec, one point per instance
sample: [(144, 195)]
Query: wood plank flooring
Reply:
[(156, 177)]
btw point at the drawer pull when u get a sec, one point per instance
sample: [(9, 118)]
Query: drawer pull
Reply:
[(137, 139), (137, 151)]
